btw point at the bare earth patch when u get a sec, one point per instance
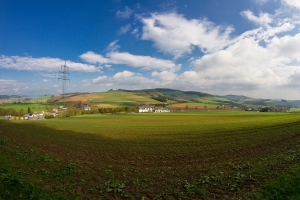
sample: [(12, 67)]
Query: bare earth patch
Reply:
[(84, 97)]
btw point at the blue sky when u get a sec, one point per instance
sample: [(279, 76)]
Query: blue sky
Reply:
[(245, 47)]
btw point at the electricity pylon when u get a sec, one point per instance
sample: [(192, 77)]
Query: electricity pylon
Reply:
[(64, 78)]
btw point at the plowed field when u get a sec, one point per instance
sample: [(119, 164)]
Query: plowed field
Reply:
[(205, 155)]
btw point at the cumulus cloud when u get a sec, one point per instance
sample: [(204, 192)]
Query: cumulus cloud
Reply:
[(42, 64), (85, 83), (123, 75), (136, 61), (287, 46), (94, 58), (264, 19), (164, 75), (174, 34), (292, 3), (128, 79), (247, 65), (100, 80), (125, 14), (144, 62)]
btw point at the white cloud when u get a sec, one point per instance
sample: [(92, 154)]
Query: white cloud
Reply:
[(42, 64), (189, 76), (123, 75), (144, 62), (287, 46), (292, 3), (136, 61), (164, 75), (10, 86), (248, 66), (135, 31), (174, 34), (127, 79), (85, 83), (99, 80), (45, 80), (124, 29), (94, 58), (264, 19), (112, 46), (124, 14)]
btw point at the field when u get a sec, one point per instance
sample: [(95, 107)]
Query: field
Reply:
[(35, 107), (194, 106), (112, 99), (201, 155)]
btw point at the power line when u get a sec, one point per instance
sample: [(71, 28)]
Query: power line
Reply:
[(64, 78)]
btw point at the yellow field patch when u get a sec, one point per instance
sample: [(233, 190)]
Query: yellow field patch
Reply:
[(84, 97), (103, 105), (135, 97), (192, 106)]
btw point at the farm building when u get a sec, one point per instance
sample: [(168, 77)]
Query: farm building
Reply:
[(152, 109), (146, 109), (86, 107), (162, 110)]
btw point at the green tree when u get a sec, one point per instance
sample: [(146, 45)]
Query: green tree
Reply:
[(29, 110), (21, 112)]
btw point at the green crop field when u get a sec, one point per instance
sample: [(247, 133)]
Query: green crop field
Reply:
[(203, 155), (119, 98), (33, 106)]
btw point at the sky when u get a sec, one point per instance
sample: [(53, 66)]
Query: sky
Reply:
[(244, 47)]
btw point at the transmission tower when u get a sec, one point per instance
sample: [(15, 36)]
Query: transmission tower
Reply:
[(64, 78)]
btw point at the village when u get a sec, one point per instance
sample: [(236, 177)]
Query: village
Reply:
[(85, 109)]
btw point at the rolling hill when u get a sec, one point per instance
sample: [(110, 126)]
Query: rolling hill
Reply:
[(173, 98)]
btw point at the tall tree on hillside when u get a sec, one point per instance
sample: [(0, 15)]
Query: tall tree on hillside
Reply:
[(29, 110), (21, 112), (186, 107)]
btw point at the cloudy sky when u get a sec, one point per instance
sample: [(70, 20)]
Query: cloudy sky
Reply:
[(245, 47)]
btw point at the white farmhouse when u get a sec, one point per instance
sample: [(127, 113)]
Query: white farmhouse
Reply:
[(162, 110), (146, 109), (86, 107)]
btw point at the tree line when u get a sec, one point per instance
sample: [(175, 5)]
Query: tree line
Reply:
[(78, 111), (11, 111)]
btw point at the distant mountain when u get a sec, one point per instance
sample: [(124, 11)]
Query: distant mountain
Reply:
[(244, 100), (164, 94), (295, 102), (234, 97), (171, 96), (9, 96)]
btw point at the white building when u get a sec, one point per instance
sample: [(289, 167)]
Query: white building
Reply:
[(152, 109), (146, 109)]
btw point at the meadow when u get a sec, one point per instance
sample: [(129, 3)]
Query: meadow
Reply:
[(24, 106), (199, 155), (112, 99)]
